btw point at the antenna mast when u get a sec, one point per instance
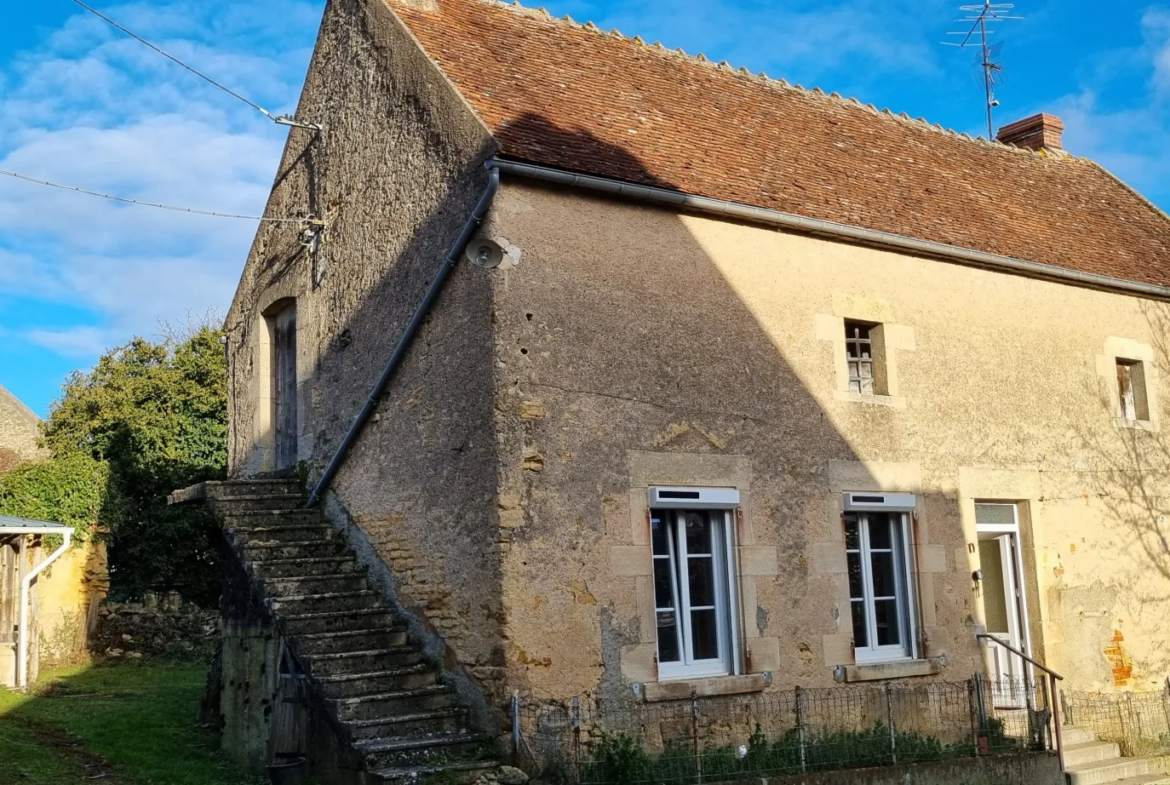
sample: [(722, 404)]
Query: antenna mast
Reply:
[(981, 17)]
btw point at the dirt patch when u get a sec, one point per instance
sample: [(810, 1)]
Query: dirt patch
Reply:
[(92, 768)]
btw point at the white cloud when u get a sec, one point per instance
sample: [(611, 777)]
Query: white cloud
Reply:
[(1156, 26), (95, 109)]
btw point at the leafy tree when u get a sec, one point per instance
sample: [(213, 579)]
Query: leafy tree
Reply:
[(156, 415), (72, 490)]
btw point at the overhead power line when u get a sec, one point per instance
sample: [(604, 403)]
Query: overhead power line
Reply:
[(279, 119), (140, 203)]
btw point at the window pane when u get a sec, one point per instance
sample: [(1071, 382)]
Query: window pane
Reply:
[(705, 635), (667, 637), (860, 638), (658, 533), (884, 579), (886, 618), (995, 513), (879, 532), (854, 562), (663, 596), (698, 533), (701, 581), (852, 541)]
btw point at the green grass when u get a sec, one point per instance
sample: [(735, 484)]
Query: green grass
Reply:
[(138, 718)]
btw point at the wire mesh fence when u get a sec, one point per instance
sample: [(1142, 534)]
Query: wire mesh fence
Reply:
[(728, 738), (1138, 721)]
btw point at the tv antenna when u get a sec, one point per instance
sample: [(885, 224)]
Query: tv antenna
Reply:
[(987, 63)]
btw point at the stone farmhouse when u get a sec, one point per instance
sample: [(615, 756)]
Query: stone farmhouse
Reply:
[(718, 386)]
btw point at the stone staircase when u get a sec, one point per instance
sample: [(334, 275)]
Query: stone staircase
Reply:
[(1091, 762), (388, 703)]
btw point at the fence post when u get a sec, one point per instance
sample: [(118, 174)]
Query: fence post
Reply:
[(973, 707), (576, 737), (695, 736), (1166, 703), (800, 730), (516, 726), (982, 742), (890, 718), (1064, 705)]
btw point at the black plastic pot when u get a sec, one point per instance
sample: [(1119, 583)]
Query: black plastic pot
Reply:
[(287, 772)]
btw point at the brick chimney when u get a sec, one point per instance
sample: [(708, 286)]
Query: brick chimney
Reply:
[(1035, 132)]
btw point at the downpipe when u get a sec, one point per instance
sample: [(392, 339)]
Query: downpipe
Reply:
[(25, 590), (473, 223)]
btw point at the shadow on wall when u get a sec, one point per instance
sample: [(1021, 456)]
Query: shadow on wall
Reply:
[(1127, 469)]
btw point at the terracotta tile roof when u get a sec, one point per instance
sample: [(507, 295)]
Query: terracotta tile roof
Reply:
[(571, 96)]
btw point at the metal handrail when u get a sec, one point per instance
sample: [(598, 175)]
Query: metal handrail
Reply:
[(1016, 651), (1053, 676)]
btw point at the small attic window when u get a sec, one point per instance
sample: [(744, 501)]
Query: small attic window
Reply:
[(860, 356), (1131, 390)]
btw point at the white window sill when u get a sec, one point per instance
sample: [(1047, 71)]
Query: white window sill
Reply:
[(895, 669), (683, 689), (893, 401), (1137, 425)]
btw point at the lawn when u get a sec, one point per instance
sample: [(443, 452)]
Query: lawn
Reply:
[(124, 724)]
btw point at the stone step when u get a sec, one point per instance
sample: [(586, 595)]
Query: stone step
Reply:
[(353, 685), (1144, 779), (384, 753), (315, 584), (394, 702), (228, 489), (338, 621), (354, 640), (296, 604), (1087, 752), (460, 772), (1106, 771), (413, 724), (1070, 735), (261, 517), (300, 532), (262, 502), (304, 566), (296, 549), (362, 660)]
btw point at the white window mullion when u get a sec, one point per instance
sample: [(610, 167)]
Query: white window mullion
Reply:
[(732, 583), (867, 581), (684, 587), (674, 587)]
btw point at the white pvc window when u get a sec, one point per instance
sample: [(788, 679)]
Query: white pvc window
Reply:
[(694, 592), (877, 548)]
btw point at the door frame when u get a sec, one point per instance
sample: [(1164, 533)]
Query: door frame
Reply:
[(1018, 577)]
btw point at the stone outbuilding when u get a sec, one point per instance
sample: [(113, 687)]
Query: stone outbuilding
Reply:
[(636, 376)]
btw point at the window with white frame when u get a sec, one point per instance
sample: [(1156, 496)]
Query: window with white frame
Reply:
[(877, 548), (694, 589)]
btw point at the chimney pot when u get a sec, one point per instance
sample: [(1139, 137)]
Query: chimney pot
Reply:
[(1040, 131)]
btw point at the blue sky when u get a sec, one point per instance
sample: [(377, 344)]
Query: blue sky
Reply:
[(82, 104)]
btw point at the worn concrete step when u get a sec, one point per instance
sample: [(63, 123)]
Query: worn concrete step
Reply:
[(315, 584), (302, 566), (352, 685), (384, 753), (451, 719), (1070, 735), (362, 661), (1144, 779), (262, 517), (1087, 752), (1106, 771), (297, 604), (300, 532), (394, 702), (460, 772), (336, 641), (235, 488), (296, 549), (336, 621), (264, 501)]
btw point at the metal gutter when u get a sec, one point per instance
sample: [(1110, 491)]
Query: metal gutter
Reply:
[(363, 416), (830, 229)]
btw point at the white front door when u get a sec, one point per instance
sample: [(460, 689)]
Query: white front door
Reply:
[(1002, 593)]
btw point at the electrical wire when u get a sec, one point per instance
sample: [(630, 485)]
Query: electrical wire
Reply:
[(140, 203), (283, 120)]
